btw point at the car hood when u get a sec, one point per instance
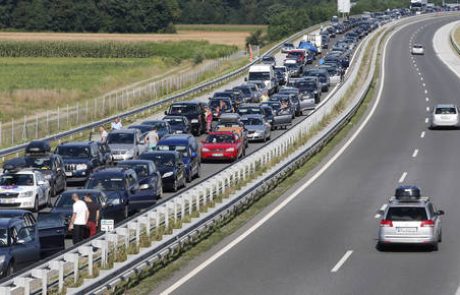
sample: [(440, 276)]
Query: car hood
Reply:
[(121, 147), (214, 146), (255, 127), (76, 161), (165, 169), (15, 189), (66, 212)]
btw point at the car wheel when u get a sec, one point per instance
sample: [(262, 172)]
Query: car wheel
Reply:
[(440, 237), (381, 247), (36, 204), (434, 247)]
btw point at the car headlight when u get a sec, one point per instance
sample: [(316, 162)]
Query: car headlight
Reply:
[(115, 201), (82, 167), (27, 194), (194, 121), (167, 174), (232, 149), (205, 149)]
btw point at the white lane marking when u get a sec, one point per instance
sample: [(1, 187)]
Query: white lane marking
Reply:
[(421, 78), (342, 261), (427, 98), (424, 85), (426, 120), (382, 209), (426, 91), (422, 135), (294, 195), (419, 74), (403, 177), (415, 153), (427, 109)]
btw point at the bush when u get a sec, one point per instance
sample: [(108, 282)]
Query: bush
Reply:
[(198, 58), (256, 38)]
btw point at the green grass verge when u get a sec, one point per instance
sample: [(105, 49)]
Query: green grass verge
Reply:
[(220, 28)]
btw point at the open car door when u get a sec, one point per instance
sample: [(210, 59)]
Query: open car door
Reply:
[(51, 232)]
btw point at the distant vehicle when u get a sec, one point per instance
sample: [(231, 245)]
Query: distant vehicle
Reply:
[(256, 109), (300, 55), (287, 47), (307, 85), (316, 40), (125, 144), (410, 218), (282, 118), (264, 73), (179, 124), (80, 159), (120, 185), (232, 123), (323, 78), (333, 71), (258, 127), (195, 113), (445, 115), (21, 245), (222, 145), (303, 100), (163, 127), (309, 46), (150, 185), (282, 75), (287, 102), (417, 49), (188, 146), (26, 189), (235, 95), (250, 94), (294, 68), (171, 167), (220, 105), (269, 60)]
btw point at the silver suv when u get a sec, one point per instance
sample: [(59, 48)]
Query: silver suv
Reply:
[(410, 218)]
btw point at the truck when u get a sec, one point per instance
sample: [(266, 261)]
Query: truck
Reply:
[(264, 73), (316, 40)]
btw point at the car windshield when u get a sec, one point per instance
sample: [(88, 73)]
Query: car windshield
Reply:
[(291, 66), (274, 105), (178, 109), (65, 200), (158, 125), (259, 76), (162, 160), (294, 54), (406, 214), (175, 121), (142, 170), (73, 151), (3, 238), (417, 46), (222, 103), (179, 148), (252, 121), (245, 90), (220, 138), (105, 184), (120, 138), (249, 111), (445, 111), (17, 180), (41, 163)]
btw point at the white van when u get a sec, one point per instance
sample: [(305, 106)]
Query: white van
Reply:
[(264, 73)]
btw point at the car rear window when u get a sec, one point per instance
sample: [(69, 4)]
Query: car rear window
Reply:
[(445, 111), (406, 214)]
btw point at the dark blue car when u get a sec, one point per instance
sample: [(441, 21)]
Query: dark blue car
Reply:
[(171, 167), (163, 127), (188, 146), (179, 124)]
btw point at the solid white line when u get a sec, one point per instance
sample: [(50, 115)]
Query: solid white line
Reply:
[(422, 135), (294, 195), (342, 261), (403, 177), (415, 153), (426, 120)]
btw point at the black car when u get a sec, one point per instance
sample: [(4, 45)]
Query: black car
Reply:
[(106, 152), (179, 124), (235, 95), (80, 159), (171, 167), (309, 85), (287, 103), (50, 165), (249, 94), (163, 128), (323, 77), (150, 185), (120, 185), (195, 113), (220, 105), (256, 109), (269, 60)]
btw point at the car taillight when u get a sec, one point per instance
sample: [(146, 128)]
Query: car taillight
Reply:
[(428, 223), (386, 223)]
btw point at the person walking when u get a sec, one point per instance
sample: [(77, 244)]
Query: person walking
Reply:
[(208, 117), (152, 139), (94, 214), (103, 134), (79, 219), (116, 125)]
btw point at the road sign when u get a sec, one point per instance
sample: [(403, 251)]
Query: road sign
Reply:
[(344, 6), (107, 225)]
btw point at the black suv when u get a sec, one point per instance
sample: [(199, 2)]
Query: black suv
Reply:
[(80, 159), (194, 111), (38, 156)]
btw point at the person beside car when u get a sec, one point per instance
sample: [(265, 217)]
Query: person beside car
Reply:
[(93, 217), (152, 139), (79, 219)]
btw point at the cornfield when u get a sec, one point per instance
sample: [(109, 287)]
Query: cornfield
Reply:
[(113, 49)]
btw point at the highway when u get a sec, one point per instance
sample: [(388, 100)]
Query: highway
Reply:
[(323, 241)]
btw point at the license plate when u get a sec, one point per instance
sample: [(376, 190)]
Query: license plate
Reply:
[(7, 201), (406, 229), (67, 173), (445, 118), (217, 155)]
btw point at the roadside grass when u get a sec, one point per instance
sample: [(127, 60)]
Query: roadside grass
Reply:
[(457, 35), (220, 27), (150, 283)]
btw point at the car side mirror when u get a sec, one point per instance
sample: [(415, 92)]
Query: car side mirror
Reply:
[(104, 204), (441, 212)]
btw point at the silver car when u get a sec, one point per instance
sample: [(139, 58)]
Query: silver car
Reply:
[(410, 219), (445, 115), (125, 144), (258, 128)]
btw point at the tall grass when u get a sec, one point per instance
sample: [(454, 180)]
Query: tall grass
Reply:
[(113, 49)]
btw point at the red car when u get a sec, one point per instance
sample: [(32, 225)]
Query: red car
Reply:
[(297, 54), (222, 145)]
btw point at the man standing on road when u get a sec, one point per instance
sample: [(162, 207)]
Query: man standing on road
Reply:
[(103, 133), (152, 139), (116, 125), (79, 219), (93, 218), (342, 75)]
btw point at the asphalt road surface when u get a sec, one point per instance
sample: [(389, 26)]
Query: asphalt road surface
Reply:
[(323, 242)]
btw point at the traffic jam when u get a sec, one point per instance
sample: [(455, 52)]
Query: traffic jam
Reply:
[(76, 189)]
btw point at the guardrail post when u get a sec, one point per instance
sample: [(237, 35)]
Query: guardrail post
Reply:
[(103, 245), (73, 258), (165, 210), (124, 232), (112, 238), (43, 275), (24, 283), (59, 266), (88, 251), (182, 207), (5, 291), (137, 227), (145, 220)]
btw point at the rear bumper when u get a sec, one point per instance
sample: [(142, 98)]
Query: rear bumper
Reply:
[(415, 240)]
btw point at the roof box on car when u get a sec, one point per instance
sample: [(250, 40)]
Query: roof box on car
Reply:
[(407, 193), (38, 147)]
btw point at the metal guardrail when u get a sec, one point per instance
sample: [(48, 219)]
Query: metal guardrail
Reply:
[(182, 95), (130, 234)]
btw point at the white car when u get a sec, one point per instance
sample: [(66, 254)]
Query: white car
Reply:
[(417, 49), (445, 115), (26, 189)]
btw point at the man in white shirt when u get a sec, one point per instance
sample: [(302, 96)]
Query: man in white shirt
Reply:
[(116, 125), (103, 133), (79, 219)]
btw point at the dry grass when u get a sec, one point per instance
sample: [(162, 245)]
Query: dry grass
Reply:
[(457, 35)]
